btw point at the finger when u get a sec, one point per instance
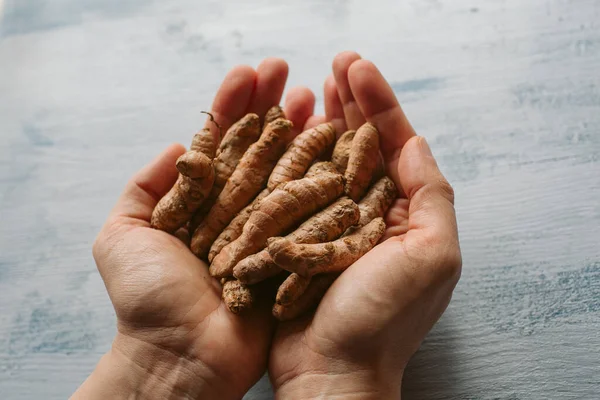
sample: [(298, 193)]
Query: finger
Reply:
[(148, 186), (313, 121), (431, 210), (379, 105), (334, 111), (341, 65), (299, 106), (270, 81), (232, 98), (396, 219)]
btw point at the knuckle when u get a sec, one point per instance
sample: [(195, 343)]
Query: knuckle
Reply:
[(441, 263), (445, 189), (98, 247), (102, 243), (449, 264)]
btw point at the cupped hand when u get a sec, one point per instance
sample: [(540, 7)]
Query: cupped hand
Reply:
[(378, 311), (172, 324)]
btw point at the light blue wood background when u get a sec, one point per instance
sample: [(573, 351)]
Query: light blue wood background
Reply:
[(506, 91)]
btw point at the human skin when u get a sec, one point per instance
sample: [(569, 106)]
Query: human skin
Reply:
[(176, 339), (376, 314)]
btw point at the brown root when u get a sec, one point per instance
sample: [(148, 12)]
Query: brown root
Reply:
[(311, 259), (362, 161), (305, 148), (291, 289), (278, 212), (307, 301), (324, 226), (235, 227), (341, 151), (237, 296), (245, 183)]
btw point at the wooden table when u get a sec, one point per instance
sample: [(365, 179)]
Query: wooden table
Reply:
[(508, 93)]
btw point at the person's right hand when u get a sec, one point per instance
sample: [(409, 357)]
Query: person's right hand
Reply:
[(378, 311)]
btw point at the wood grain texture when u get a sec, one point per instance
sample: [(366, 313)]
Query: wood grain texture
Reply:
[(507, 92)]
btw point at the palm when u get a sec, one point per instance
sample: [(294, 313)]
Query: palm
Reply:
[(377, 312), (163, 295), (166, 297), (354, 306)]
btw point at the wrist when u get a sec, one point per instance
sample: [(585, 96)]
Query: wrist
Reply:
[(334, 384), (133, 368)]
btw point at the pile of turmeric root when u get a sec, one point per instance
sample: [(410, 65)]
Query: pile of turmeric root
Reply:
[(278, 215)]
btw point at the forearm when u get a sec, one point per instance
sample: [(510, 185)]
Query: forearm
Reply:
[(133, 370), (362, 384)]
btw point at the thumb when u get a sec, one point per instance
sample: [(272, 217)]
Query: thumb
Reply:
[(148, 186), (431, 210)]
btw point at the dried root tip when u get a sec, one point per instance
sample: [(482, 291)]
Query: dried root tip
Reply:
[(377, 200), (362, 161), (277, 213), (324, 226), (194, 164), (311, 259), (204, 142), (219, 133), (291, 289), (237, 296), (274, 113), (305, 148), (307, 301), (341, 151), (235, 227), (184, 235), (240, 136), (256, 268), (248, 179), (180, 203), (321, 167)]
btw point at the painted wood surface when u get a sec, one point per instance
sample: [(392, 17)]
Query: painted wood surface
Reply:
[(507, 91)]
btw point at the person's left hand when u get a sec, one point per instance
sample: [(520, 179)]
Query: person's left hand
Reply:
[(175, 335)]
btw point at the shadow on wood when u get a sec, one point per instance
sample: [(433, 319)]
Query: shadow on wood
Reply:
[(431, 373)]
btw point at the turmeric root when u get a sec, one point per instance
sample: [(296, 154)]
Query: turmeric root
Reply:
[(233, 146), (279, 211), (324, 226), (234, 229), (291, 289), (204, 143), (373, 205), (311, 259), (237, 296), (377, 200), (196, 177), (184, 235), (194, 164), (308, 300), (245, 182), (320, 168), (305, 148), (341, 151), (274, 113), (362, 161)]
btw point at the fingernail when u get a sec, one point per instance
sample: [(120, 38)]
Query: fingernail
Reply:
[(425, 149)]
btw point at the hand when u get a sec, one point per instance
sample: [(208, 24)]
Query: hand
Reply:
[(175, 336), (378, 311)]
